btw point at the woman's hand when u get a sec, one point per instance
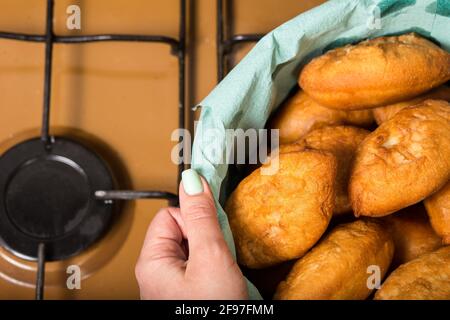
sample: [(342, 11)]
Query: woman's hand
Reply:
[(184, 255)]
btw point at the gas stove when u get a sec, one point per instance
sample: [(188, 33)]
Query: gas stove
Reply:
[(86, 121), (65, 208)]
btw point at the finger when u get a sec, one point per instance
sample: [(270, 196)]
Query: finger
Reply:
[(163, 240), (199, 214), (176, 214), (162, 260)]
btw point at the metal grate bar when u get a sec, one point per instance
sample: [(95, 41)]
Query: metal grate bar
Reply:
[(226, 44), (133, 195), (40, 275), (174, 43), (45, 137), (181, 83)]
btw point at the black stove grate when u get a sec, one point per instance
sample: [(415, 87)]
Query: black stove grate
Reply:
[(226, 40), (178, 48)]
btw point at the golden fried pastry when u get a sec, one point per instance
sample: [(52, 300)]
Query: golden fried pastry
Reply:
[(375, 72), (301, 114), (339, 266), (382, 114), (296, 146), (425, 278), (438, 208), (412, 233), (403, 161), (279, 217), (342, 141)]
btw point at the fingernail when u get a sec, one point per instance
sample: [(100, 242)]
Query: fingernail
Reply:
[(192, 183)]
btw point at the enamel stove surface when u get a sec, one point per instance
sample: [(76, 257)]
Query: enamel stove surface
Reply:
[(72, 167)]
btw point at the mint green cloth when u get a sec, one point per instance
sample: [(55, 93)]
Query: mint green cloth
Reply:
[(263, 79)]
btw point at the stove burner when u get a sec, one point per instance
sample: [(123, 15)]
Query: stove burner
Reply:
[(47, 196)]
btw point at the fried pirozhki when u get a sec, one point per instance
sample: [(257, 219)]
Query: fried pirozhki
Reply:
[(300, 115), (438, 208), (376, 72), (403, 161), (339, 266), (412, 233), (279, 217), (424, 278), (381, 114), (342, 142)]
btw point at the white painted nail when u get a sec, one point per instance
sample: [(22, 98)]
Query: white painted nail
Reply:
[(192, 183)]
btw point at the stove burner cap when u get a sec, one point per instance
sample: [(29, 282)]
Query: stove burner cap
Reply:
[(48, 196)]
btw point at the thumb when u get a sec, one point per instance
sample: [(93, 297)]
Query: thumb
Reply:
[(199, 214)]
